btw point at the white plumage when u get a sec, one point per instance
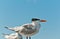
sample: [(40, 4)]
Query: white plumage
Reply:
[(12, 36), (28, 29)]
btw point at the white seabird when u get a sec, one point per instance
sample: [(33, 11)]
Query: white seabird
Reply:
[(12, 36), (29, 29)]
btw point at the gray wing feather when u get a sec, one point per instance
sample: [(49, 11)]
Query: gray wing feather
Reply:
[(28, 29)]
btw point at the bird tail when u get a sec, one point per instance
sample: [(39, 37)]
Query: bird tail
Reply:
[(9, 28)]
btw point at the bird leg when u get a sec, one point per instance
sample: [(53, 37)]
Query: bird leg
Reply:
[(27, 37)]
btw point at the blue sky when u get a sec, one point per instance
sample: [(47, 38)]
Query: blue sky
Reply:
[(17, 12)]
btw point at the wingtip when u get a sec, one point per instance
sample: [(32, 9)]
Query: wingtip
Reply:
[(6, 27)]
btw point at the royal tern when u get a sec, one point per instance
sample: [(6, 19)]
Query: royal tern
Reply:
[(29, 29)]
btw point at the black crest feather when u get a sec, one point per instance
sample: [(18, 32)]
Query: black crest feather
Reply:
[(35, 19)]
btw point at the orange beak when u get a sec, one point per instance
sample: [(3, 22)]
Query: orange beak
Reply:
[(42, 20)]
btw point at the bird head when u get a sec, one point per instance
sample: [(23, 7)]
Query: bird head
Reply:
[(37, 20)]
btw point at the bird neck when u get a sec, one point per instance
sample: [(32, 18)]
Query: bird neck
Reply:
[(35, 23)]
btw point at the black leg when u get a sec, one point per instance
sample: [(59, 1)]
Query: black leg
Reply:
[(29, 37), (26, 37)]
